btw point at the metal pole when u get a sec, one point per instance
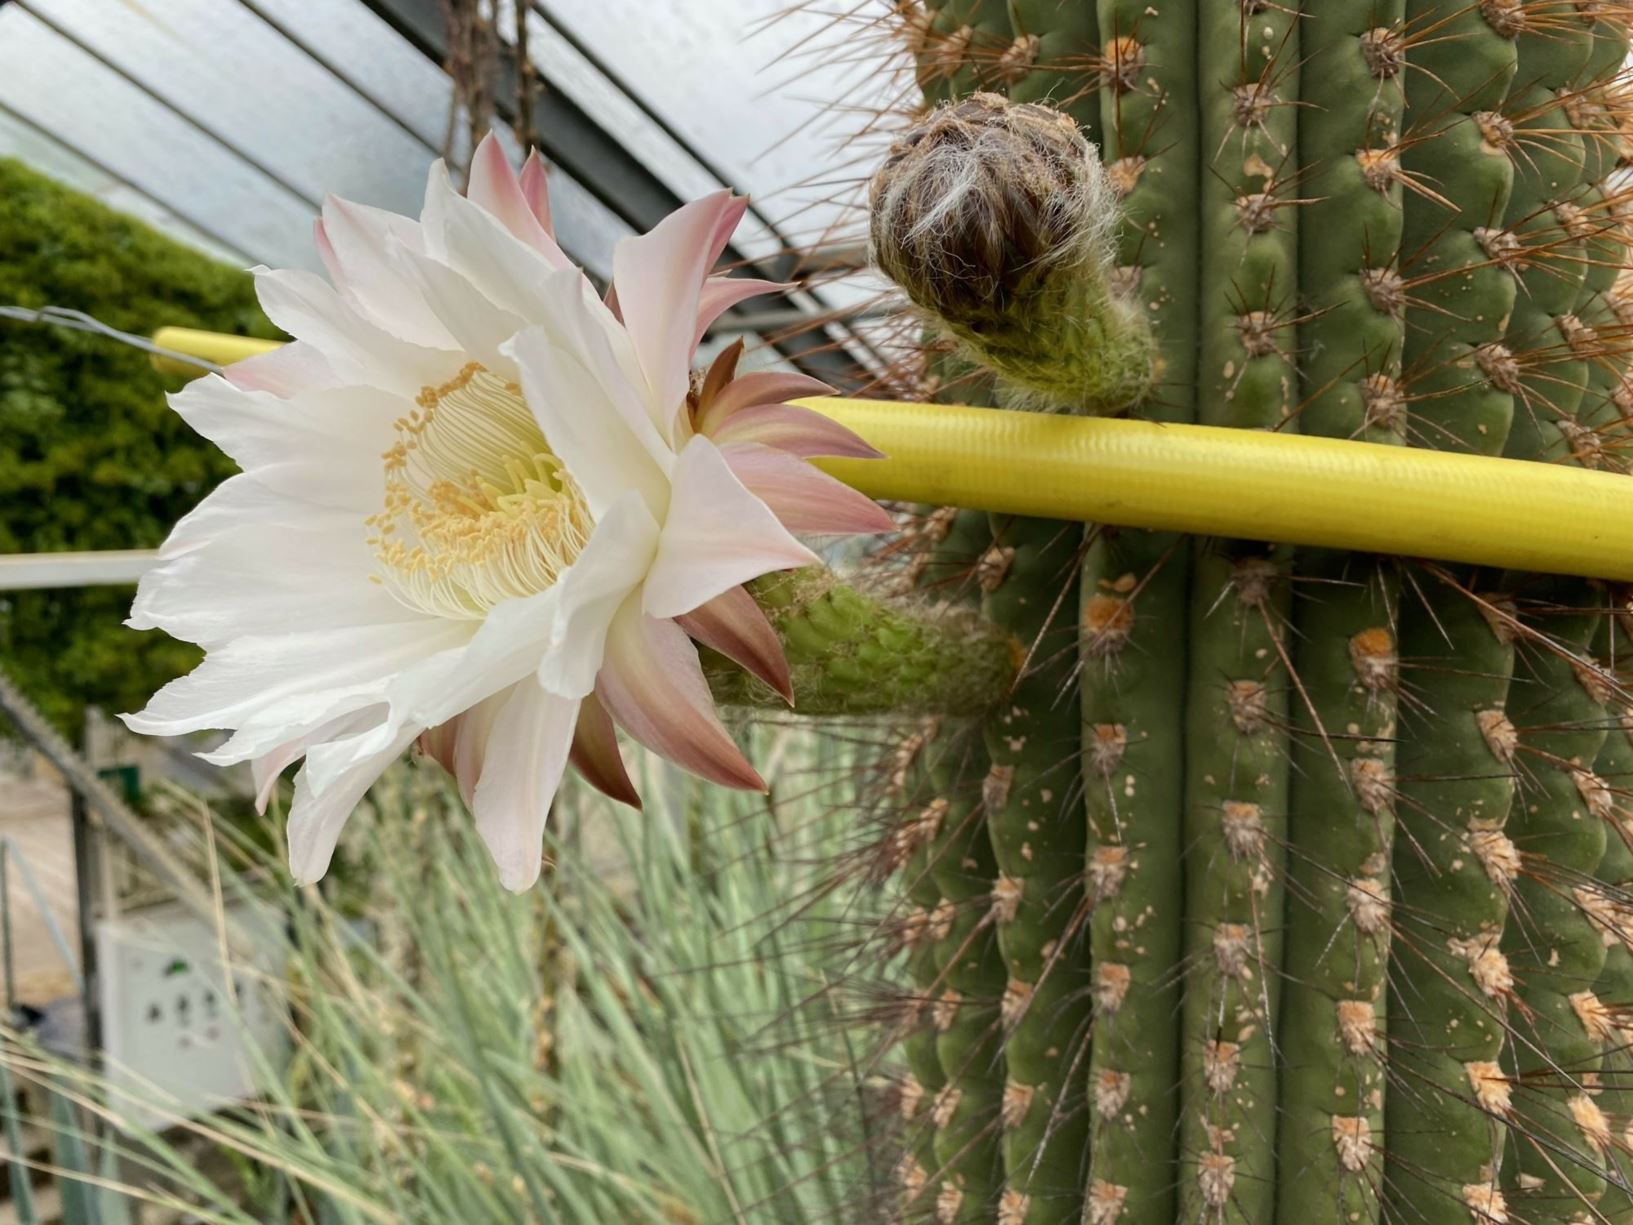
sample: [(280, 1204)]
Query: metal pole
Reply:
[(86, 865), (5, 927)]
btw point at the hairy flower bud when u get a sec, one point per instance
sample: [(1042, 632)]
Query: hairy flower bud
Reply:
[(997, 218)]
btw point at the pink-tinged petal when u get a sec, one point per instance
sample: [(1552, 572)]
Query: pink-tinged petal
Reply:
[(592, 589), (798, 431), (717, 535), (596, 755), (725, 226), (720, 293), (653, 685), (283, 372), (659, 276), (476, 244), (526, 753), (471, 741), (266, 769), (315, 821), (802, 498), (493, 186), (536, 190), (734, 625), (756, 388), (590, 416)]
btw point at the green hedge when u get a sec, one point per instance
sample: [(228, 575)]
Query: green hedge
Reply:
[(90, 456)]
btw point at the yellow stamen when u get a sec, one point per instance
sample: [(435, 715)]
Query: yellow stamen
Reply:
[(477, 507)]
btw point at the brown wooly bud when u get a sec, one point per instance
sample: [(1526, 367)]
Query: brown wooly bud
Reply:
[(998, 219)]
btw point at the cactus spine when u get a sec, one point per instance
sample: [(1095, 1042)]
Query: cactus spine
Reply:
[(1347, 940)]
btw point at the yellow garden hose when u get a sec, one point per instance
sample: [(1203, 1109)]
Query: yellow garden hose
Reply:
[(1209, 481)]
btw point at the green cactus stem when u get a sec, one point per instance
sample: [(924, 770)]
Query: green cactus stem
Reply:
[(1035, 821), (1345, 637), (850, 653)]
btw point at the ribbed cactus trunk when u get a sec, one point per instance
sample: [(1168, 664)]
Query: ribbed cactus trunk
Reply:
[(1285, 885)]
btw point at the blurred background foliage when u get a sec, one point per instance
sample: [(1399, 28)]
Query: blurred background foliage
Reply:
[(90, 457)]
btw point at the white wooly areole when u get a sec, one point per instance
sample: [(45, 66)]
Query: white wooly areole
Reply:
[(483, 509)]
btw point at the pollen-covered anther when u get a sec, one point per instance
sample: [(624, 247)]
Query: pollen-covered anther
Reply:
[(1487, 965), (1380, 168), (1496, 852), (1107, 870), (1385, 290), (1500, 246), (1242, 822), (1005, 898), (1498, 364), (1215, 1178), (1591, 1122), (946, 1102), (1256, 212), (1384, 52), (1500, 735), (1017, 998), (477, 509), (1108, 620), (1368, 902), (1014, 1207), (995, 787), (1507, 18), (1374, 783), (1111, 1090), (993, 567), (1105, 1203), (1357, 1026), (1220, 1063), (1018, 58), (1258, 331), (944, 1012), (1249, 706), (1232, 948), (1496, 131), (1124, 58), (1384, 401), (1597, 1019), (1016, 1103), (1485, 1203), (1106, 745), (1111, 983), (1352, 1139), (1492, 1089)]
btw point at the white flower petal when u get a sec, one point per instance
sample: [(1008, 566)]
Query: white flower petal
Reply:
[(295, 367), (717, 535), (318, 446), (480, 325), (590, 592), (588, 423), (361, 260), (526, 753), (474, 243), (261, 577), (309, 309), (253, 672), (315, 821)]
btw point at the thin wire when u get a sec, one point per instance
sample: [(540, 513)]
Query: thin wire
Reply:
[(79, 321)]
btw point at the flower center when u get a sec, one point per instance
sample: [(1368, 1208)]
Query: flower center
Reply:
[(477, 508)]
